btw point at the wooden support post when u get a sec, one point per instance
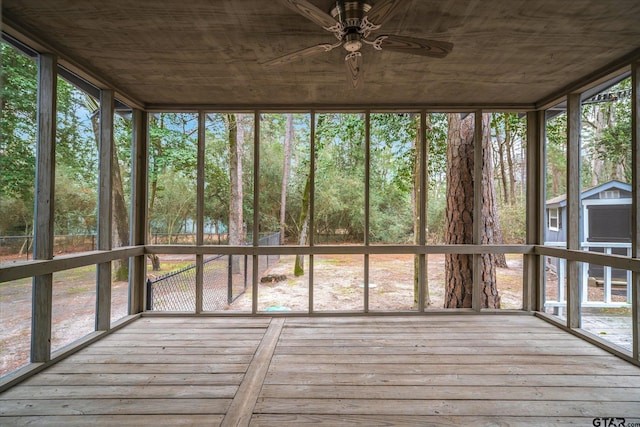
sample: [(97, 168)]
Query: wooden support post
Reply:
[(635, 207), (42, 291), (573, 208), (312, 195), (476, 302), (137, 265), (532, 264), (367, 201), (422, 211), (105, 209), (200, 211), (256, 209)]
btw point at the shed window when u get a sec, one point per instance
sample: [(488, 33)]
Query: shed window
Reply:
[(610, 194), (553, 216)]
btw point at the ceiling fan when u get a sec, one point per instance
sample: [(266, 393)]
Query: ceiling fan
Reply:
[(352, 22)]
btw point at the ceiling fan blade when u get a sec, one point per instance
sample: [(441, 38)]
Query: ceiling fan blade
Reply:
[(299, 54), (311, 12), (383, 10), (413, 45), (353, 63)]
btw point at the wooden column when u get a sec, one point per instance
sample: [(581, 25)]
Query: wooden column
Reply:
[(42, 291), (256, 209), (532, 264), (367, 194), (105, 209), (573, 207), (200, 211), (422, 211), (635, 208), (476, 302), (312, 198), (137, 265)]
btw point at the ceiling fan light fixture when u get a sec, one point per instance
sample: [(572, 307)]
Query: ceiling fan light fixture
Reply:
[(351, 22), (352, 42)]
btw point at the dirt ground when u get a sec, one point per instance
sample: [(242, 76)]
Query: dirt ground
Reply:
[(338, 286), (73, 314)]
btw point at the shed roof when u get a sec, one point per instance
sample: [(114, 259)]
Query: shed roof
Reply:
[(561, 200)]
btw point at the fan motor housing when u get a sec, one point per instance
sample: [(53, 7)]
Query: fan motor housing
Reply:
[(350, 14)]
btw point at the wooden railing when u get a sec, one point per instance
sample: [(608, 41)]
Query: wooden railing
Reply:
[(559, 267)]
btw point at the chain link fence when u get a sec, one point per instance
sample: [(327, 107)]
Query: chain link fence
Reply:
[(225, 278)]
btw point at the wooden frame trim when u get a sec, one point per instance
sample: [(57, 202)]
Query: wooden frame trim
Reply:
[(256, 210), (615, 261), (337, 249), (42, 288), (24, 36), (601, 75), (635, 207), (476, 300), (589, 337), (312, 199), (423, 200), (200, 209), (367, 203), (573, 207), (67, 262), (342, 108), (139, 214), (241, 407), (535, 174), (105, 210)]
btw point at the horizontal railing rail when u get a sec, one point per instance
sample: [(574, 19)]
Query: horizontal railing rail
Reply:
[(605, 259)]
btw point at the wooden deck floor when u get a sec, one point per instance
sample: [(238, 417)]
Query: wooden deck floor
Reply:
[(433, 370)]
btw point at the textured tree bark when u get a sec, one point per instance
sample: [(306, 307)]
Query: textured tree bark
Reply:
[(459, 216), (153, 190), (120, 213), (288, 142), (459, 211), (236, 229), (298, 269), (492, 231)]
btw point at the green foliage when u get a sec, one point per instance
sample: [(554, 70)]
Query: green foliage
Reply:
[(75, 203), (18, 85), (76, 195), (393, 152), (437, 139), (513, 222), (339, 196), (173, 158), (340, 158), (607, 130), (175, 204), (556, 156)]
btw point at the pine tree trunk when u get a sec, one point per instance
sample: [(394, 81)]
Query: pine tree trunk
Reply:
[(288, 142), (492, 231), (512, 172), (459, 211), (298, 269), (153, 191), (459, 215), (236, 230), (120, 214)]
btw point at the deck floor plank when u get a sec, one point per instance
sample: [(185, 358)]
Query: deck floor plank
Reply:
[(331, 371)]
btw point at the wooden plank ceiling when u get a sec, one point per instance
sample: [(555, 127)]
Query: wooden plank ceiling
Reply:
[(206, 52)]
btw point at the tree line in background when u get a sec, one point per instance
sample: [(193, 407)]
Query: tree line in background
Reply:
[(341, 164)]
